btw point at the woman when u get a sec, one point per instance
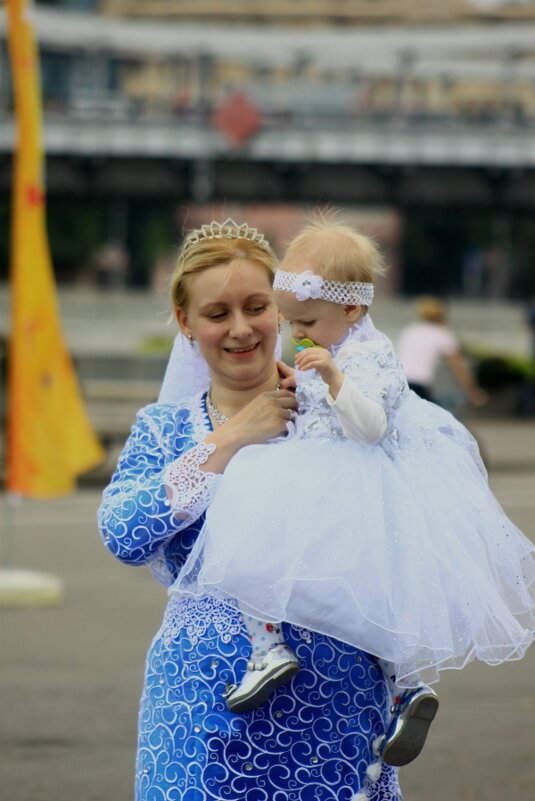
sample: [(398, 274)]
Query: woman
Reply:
[(314, 738), (424, 344)]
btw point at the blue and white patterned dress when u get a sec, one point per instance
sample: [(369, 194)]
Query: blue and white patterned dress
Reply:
[(312, 740)]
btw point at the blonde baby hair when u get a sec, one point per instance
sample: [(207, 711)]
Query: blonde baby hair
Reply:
[(334, 250)]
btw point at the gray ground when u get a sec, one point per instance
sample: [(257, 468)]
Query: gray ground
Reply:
[(70, 677)]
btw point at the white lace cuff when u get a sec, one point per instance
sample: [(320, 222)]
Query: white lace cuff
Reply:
[(191, 489)]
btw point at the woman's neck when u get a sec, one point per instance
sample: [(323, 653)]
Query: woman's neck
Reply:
[(231, 399)]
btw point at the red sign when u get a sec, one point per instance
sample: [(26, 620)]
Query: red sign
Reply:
[(238, 118)]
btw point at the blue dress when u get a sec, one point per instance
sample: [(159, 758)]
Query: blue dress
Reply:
[(311, 741)]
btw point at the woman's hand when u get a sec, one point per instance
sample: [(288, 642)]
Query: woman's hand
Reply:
[(477, 397), (287, 375), (263, 418)]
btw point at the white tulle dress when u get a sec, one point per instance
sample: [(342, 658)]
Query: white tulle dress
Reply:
[(398, 548)]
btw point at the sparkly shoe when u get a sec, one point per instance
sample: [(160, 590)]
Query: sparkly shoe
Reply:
[(264, 675), (413, 713)]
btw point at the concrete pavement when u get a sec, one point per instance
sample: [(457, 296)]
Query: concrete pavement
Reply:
[(70, 677)]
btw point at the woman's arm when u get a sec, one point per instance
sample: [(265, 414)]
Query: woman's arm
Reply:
[(152, 496), (192, 479), (135, 518), (465, 379)]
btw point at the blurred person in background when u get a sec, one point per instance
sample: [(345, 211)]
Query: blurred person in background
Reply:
[(110, 265), (424, 344)]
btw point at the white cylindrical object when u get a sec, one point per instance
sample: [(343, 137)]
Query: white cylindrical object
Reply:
[(27, 589)]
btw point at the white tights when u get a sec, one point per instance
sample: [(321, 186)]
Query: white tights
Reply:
[(263, 635)]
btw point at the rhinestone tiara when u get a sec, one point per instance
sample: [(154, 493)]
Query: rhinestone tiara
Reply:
[(225, 230), (307, 285)]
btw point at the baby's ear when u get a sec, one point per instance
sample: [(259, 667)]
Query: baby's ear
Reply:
[(353, 313)]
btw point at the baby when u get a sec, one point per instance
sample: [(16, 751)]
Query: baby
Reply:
[(384, 534)]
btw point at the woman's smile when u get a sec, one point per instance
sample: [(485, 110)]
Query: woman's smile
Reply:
[(244, 352)]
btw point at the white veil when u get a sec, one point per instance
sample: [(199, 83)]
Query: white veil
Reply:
[(186, 374)]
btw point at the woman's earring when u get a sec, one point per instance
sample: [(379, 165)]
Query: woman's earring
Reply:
[(280, 326), (190, 339)]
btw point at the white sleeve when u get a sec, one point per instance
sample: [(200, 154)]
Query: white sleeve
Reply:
[(362, 419), (191, 490)]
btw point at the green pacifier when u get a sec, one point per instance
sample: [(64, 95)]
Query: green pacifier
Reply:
[(303, 344)]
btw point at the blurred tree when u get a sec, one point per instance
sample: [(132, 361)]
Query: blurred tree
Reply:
[(151, 235), (76, 228)]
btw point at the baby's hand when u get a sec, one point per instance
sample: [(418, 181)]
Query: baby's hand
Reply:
[(321, 360)]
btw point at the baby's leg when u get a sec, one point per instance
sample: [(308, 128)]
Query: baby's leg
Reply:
[(389, 672), (262, 635), (272, 664), (413, 710)]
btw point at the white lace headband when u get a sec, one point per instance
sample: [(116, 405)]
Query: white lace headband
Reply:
[(307, 285)]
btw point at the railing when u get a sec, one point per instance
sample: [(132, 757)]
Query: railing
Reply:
[(294, 137)]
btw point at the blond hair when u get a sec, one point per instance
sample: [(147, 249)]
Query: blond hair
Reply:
[(335, 251), (206, 253), (431, 310)]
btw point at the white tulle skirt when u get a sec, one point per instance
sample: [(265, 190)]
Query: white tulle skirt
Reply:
[(403, 552)]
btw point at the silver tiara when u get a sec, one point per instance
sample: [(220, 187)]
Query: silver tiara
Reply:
[(307, 285), (225, 230)]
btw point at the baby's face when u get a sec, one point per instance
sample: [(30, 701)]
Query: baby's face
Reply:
[(324, 322)]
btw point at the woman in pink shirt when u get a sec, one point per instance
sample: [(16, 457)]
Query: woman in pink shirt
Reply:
[(424, 344)]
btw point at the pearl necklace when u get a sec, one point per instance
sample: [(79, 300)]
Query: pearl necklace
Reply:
[(218, 415)]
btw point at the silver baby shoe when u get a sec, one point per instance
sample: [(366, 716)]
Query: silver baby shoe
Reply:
[(405, 737), (264, 674)]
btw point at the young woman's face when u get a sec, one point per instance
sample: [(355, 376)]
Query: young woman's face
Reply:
[(323, 322), (232, 316)]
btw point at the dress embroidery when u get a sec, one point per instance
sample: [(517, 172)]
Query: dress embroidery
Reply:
[(196, 615)]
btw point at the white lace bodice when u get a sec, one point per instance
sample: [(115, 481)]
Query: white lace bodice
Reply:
[(374, 367)]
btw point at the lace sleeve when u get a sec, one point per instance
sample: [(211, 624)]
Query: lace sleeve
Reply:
[(191, 490), (135, 518)]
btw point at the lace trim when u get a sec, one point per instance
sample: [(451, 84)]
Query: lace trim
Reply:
[(380, 784), (362, 331), (199, 419), (191, 489), (195, 616)]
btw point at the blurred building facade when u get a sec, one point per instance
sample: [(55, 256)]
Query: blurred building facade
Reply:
[(393, 102), (135, 59)]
